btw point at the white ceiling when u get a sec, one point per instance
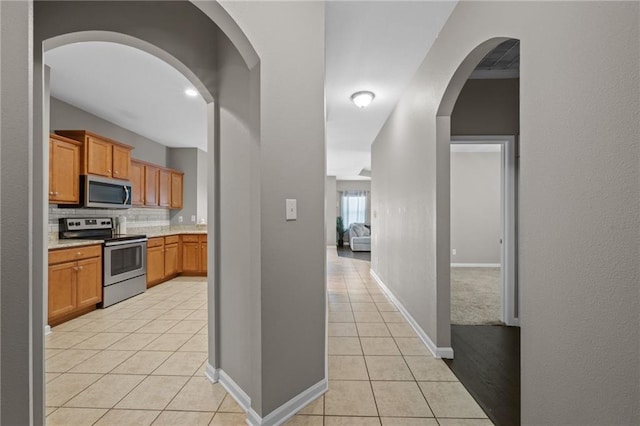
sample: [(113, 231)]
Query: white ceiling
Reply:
[(374, 46), (370, 45), (130, 88)]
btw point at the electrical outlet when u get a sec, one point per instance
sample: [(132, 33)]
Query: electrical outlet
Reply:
[(193, 218), (180, 219), (454, 252)]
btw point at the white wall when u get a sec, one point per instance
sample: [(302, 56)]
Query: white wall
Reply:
[(330, 207), (579, 203), (475, 207)]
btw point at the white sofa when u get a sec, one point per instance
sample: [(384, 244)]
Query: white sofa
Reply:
[(359, 237)]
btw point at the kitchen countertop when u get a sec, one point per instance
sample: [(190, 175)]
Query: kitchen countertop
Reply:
[(61, 244)]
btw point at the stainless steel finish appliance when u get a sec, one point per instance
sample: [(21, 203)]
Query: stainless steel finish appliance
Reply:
[(105, 193), (124, 257)]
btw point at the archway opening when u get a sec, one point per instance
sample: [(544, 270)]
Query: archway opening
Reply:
[(478, 128)]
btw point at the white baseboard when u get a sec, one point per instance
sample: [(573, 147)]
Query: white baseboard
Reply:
[(438, 352), (475, 265), (289, 408), (47, 330), (217, 375)]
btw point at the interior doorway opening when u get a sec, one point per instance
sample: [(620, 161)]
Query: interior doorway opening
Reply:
[(483, 99), (483, 231)]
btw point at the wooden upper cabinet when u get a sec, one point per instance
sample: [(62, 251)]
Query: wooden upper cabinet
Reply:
[(101, 156), (176, 190), (152, 178), (137, 183), (121, 162), (64, 170), (165, 190)]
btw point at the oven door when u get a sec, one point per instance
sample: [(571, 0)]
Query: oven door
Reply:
[(124, 260)]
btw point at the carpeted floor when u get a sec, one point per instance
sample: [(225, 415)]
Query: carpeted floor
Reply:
[(475, 296)]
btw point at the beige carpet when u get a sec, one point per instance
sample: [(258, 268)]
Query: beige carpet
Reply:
[(475, 296)]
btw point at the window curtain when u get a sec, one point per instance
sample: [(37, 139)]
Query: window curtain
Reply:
[(354, 207)]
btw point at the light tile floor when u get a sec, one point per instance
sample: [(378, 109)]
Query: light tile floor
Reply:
[(142, 362)]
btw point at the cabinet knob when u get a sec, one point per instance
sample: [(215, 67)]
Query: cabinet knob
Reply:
[(51, 193), (55, 192), (81, 267), (109, 171), (78, 254), (75, 268), (116, 172)]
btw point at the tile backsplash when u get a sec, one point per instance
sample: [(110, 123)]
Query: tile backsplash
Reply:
[(136, 217)]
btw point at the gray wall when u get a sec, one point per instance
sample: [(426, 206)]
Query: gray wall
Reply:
[(68, 117), (475, 207), (330, 209), (189, 161), (16, 259), (293, 253), (579, 203), (201, 186), (487, 107)]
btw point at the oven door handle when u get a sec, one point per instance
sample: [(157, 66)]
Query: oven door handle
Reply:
[(126, 198), (120, 243)]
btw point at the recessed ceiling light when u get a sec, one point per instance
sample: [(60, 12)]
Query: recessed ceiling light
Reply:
[(192, 93), (363, 98)]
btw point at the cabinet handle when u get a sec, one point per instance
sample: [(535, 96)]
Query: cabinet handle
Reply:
[(51, 193), (55, 192), (75, 268), (78, 254), (81, 267), (116, 172), (109, 171)]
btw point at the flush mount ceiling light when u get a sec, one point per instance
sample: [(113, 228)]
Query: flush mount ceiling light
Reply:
[(362, 98), (192, 93)]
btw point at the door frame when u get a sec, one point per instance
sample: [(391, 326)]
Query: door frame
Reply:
[(509, 294)]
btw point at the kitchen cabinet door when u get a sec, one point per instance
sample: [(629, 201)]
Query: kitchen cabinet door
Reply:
[(64, 171), (170, 260), (165, 188), (190, 257), (176, 190), (155, 265), (121, 162), (203, 257), (88, 282), (137, 184), (62, 289), (99, 157), (151, 177)]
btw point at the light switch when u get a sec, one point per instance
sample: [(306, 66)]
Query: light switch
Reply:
[(292, 208)]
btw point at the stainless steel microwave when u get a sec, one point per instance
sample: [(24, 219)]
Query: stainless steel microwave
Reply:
[(105, 193)]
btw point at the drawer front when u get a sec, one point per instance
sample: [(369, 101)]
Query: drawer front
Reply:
[(171, 239), (155, 242), (203, 238), (76, 253), (190, 238)]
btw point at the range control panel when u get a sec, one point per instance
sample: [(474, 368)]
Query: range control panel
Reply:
[(77, 224)]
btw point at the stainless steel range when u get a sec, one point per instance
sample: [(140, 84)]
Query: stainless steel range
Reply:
[(124, 257)]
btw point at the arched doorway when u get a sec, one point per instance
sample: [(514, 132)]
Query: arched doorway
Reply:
[(118, 22), (483, 344)]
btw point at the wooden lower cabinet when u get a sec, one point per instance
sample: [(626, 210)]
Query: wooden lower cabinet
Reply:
[(75, 282), (194, 254), (170, 260), (163, 259)]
